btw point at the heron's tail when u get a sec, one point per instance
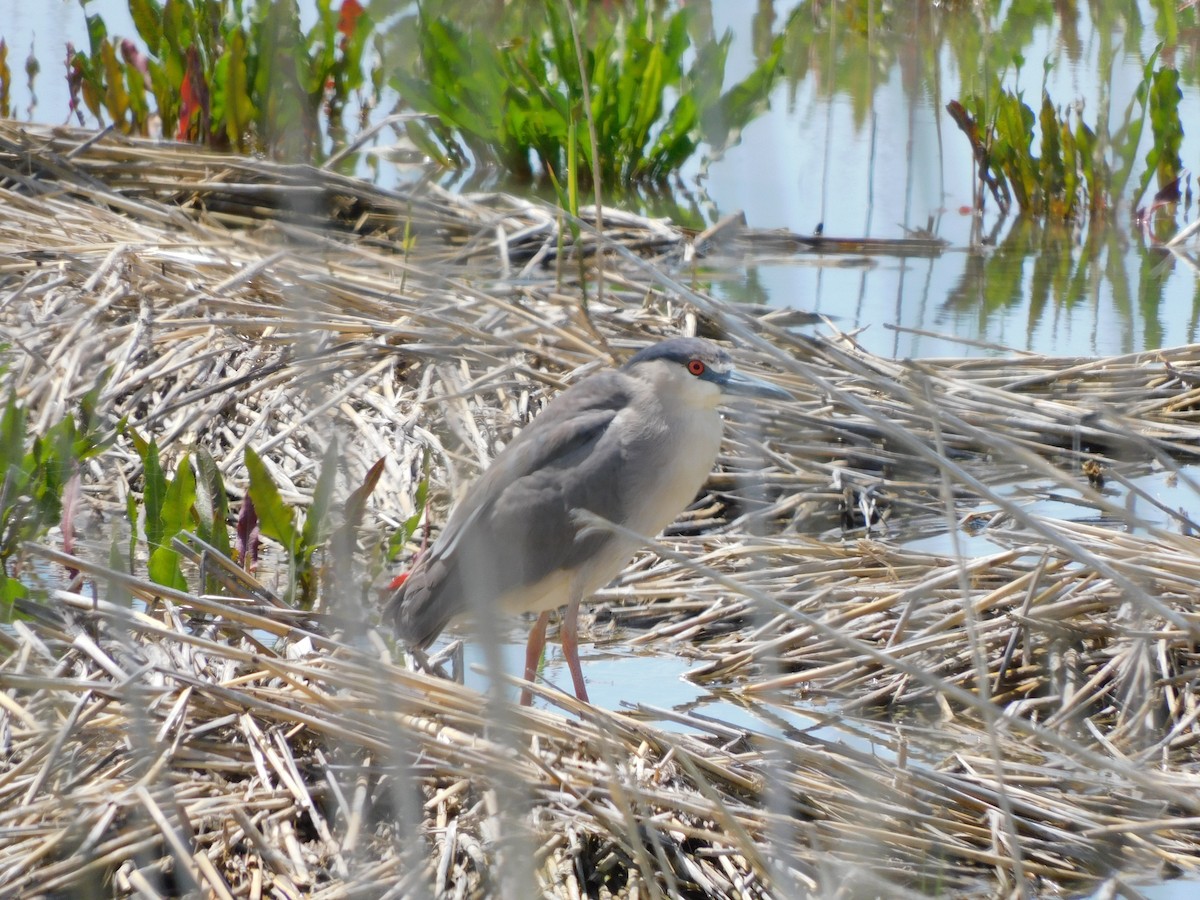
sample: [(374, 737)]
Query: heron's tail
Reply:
[(418, 609)]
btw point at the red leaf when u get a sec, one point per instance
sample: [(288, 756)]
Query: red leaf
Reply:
[(247, 543), (74, 82), (193, 99), (70, 507), (351, 10), (137, 59)]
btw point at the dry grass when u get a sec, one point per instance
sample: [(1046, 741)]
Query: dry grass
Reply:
[(1016, 712)]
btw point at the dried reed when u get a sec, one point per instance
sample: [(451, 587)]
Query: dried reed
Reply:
[(1014, 713)]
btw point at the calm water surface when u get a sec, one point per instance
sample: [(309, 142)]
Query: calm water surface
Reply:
[(857, 140), (864, 146)]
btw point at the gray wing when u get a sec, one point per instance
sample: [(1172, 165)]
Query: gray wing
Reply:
[(515, 526)]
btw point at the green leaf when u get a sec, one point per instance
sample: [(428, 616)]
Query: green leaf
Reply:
[(1072, 169), (1093, 169), (140, 444), (154, 494), (164, 569), (147, 18), (212, 503), (1128, 137), (274, 517), (97, 32), (12, 439), (116, 100), (131, 514), (238, 109), (135, 87), (1052, 163), (179, 501), (11, 590), (178, 34), (425, 142), (1165, 96), (316, 520), (405, 534)]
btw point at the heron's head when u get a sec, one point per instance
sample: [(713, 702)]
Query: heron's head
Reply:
[(697, 372)]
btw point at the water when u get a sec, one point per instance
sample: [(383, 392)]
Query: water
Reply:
[(1183, 889), (874, 154), (857, 140), (665, 696)]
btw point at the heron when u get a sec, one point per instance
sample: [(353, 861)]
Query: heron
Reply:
[(632, 446)]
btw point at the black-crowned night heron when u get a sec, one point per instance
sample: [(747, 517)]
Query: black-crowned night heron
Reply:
[(632, 446)]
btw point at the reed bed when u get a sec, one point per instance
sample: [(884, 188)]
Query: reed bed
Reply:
[(947, 599)]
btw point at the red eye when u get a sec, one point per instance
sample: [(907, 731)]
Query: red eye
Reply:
[(696, 367)]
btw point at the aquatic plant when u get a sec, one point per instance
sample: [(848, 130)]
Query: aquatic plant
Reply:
[(39, 480), (238, 74), (1161, 98), (1066, 179), (524, 100), (194, 502), (40, 485), (1076, 171)]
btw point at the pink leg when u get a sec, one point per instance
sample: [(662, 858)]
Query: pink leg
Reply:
[(533, 653), (570, 645)]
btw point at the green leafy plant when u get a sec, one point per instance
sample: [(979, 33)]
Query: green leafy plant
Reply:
[(169, 505), (405, 533), (35, 472), (1065, 180), (1075, 171), (277, 521), (1128, 137), (193, 499), (238, 74), (212, 503), (511, 102), (1163, 96)]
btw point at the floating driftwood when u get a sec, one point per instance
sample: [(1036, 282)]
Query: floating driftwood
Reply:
[(1012, 710)]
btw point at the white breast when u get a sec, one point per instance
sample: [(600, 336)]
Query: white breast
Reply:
[(695, 436), (674, 437)]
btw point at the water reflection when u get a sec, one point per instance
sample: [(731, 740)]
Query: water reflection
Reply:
[(856, 142)]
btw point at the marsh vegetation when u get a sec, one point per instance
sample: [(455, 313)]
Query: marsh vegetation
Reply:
[(936, 616)]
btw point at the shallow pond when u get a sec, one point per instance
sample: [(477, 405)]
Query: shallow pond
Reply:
[(857, 141), (863, 145)]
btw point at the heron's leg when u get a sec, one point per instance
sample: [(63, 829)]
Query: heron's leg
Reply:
[(533, 653), (570, 645)]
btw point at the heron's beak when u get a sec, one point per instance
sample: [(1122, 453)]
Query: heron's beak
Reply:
[(738, 385)]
